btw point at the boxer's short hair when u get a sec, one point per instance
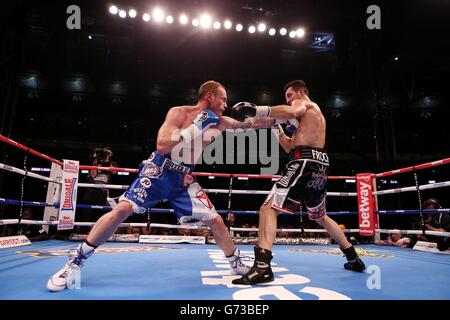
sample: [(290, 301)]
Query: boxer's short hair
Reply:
[(296, 85), (209, 86)]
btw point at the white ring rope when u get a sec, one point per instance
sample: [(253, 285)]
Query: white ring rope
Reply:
[(176, 226), (224, 191), (429, 232), (413, 188), (28, 173), (103, 186)]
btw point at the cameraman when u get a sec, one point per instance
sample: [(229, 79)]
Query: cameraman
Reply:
[(100, 157), (435, 222)]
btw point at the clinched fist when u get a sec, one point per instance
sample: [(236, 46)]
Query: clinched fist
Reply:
[(242, 110)]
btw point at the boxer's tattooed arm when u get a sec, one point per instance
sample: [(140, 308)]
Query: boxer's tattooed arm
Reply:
[(249, 123), (255, 123)]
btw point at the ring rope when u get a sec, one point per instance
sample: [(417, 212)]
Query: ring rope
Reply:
[(409, 169), (160, 225), (124, 187), (230, 192), (419, 197), (378, 175), (28, 173), (22, 189), (162, 210)]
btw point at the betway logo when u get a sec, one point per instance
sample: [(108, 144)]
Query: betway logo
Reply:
[(68, 194), (364, 206)]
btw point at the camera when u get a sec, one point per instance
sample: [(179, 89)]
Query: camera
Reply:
[(101, 154)]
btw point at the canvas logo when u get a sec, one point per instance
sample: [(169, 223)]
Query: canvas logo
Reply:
[(278, 289), (108, 250), (361, 252)]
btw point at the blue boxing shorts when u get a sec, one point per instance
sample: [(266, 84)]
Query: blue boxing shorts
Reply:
[(161, 179)]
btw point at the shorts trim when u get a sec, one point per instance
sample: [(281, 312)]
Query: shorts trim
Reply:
[(134, 205)]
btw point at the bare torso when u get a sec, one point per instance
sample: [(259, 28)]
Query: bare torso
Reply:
[(312, 129), (184, 115)]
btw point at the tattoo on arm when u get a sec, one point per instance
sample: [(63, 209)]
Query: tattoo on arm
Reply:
[(255, 123)]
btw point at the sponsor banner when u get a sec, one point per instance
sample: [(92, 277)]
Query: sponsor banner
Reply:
[(69, 188), (171, 239), (361, 252), (101, 250), (429, 247), (53, 195), (134, 237), (364, 186), (14, 241), (287, 241)]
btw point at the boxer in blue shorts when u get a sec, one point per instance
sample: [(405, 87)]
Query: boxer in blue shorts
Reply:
[(166, 175), (303, 180)]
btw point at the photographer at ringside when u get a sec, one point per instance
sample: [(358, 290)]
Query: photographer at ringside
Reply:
[(100, 157)]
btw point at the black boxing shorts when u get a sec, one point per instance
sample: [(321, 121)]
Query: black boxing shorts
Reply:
[(303, 180)]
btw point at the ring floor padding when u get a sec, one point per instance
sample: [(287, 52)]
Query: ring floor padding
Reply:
[(200, 272)]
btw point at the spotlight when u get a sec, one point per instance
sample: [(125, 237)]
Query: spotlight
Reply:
[(90, 37), (205, 21), (396, 59), (169, 19), (183, 19), (300, 33), (113, 10), (239, 27), (292, 34), (195, 22), (132, 13), (227, 24), (251, 29), (146, 17), (272, 31), (262, 27), (217, 25), (122, 14), (283, 31), (158, 15)]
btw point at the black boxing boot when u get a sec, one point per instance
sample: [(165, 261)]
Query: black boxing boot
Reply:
[(261, 271), (354, 262)]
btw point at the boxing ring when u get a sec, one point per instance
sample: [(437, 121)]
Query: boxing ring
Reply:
[(127, 269)]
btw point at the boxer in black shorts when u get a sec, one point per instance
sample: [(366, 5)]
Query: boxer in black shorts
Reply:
[(303, 180)]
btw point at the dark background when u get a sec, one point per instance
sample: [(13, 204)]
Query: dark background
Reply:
[(63, 94)]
